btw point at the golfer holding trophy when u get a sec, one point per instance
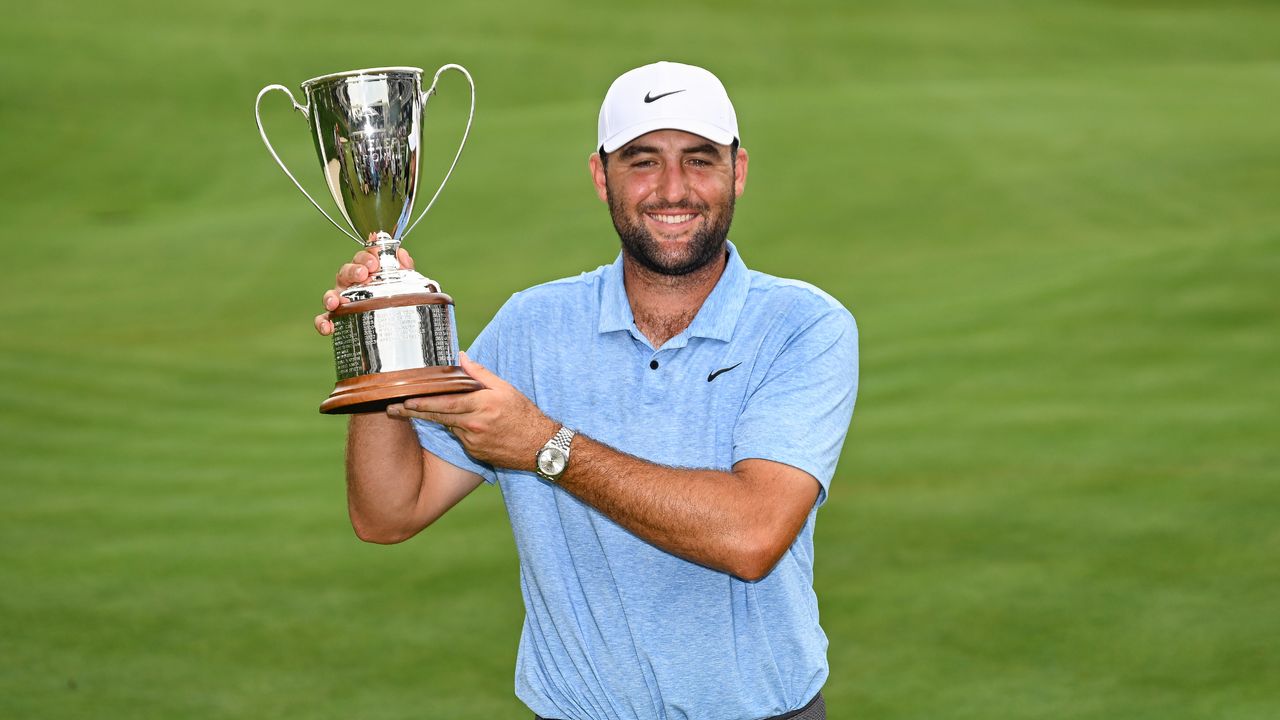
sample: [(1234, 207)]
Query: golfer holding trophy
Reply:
[(394, 335), (663, 428)]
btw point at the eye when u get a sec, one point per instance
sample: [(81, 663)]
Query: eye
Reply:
[(699, 162)]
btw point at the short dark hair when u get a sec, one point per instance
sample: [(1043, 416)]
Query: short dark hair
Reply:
[(733, 155)]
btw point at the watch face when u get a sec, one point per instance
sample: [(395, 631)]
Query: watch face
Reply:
[(551, 461)]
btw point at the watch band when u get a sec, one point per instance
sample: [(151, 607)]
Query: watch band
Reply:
[(562, 439)]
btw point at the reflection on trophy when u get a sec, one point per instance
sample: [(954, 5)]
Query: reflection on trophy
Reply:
[(396, 337)]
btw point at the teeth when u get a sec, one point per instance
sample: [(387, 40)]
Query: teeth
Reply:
[(674, 219)]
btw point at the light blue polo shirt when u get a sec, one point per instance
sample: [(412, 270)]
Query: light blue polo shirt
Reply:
[(614, 627)]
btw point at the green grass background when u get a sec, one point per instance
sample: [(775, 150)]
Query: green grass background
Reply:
[(1057, 224)]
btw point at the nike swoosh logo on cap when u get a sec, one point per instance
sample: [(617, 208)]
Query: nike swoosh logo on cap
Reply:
[(650, 97)]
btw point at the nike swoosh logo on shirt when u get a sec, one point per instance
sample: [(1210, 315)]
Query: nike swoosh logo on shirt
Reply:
[(721, 371), (650, 97)]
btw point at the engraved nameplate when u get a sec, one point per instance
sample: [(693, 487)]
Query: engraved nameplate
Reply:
[(396, 338)]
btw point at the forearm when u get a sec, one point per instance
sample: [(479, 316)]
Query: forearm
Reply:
[(384, 477), (394, 487), (729, 521), (739, 522)]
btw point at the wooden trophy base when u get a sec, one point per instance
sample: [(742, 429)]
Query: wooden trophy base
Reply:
[(372, 393)]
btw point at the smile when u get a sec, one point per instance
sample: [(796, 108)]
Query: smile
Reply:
[(674, 219)]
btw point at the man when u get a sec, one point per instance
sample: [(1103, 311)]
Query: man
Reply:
[(663, 430)]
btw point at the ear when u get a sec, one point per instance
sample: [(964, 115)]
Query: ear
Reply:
[(597, 176), (740, 173)]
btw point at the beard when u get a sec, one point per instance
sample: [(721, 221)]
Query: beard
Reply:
[(707, 244)]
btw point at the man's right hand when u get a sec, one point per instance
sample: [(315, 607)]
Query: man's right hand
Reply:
[(357, 271)]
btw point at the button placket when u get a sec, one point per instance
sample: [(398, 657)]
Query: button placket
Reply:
[(652, 389)]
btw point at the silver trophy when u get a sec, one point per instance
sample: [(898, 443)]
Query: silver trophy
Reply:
[(396, 338)]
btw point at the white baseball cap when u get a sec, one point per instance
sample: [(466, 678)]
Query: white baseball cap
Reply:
[(666, 96)]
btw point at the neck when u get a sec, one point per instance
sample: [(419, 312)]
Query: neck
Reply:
[(664, 305)]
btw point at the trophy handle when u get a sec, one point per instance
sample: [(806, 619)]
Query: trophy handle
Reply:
[(306, 112), (432, 91)]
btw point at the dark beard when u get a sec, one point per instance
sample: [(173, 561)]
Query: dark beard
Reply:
[(707, 244)]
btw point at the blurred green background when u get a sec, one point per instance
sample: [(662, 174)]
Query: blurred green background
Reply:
[(1057, 224)]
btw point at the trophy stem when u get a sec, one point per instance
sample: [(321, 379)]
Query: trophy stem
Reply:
[(390, 271), (386, 247)]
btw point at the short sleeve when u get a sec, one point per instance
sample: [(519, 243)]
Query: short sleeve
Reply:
[(439, 442), (799, 413)]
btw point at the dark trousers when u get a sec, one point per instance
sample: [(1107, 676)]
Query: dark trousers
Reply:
[(815, 710)]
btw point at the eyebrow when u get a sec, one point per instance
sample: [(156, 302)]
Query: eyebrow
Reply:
[(706, 148), (633, 150)]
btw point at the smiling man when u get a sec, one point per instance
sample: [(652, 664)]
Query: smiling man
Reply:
[(663, 429)]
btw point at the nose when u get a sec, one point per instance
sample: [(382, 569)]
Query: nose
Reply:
[(673, 186)]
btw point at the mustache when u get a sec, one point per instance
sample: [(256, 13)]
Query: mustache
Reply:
[(682, 207)]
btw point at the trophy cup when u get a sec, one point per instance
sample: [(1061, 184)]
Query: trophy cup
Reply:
[(394, 337)]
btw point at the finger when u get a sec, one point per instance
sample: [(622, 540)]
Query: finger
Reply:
[(403, 256), (444, 421), (398, 410), (332, 299), (479, 372), (324, 325), (453, 404), (350, 274), (367, 259)]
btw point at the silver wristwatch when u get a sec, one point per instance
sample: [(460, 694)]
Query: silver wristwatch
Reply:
[(553, 458)]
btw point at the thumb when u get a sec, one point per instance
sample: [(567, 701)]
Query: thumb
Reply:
[(479, 372)]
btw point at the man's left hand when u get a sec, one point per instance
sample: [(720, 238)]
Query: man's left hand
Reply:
[(496, 424)]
